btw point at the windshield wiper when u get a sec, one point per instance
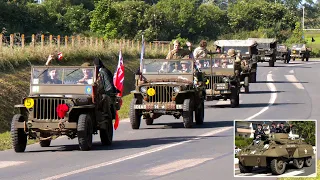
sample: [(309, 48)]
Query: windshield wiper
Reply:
[(73, 71), (43, 72)]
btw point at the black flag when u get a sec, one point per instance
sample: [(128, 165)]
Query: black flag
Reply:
[(313, 40)]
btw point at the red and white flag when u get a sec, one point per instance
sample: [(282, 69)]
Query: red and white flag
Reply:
[(60, 56), (118, 80)]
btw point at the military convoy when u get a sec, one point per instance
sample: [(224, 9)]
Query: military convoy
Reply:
[(63, 107), (167, 87), (267, 50), (274, 153), (300, 51)]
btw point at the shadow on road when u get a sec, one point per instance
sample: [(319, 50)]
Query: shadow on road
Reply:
[(264, 92), (179, 125), (278, 82)]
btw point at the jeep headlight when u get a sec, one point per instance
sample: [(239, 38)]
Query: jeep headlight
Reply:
[(143, 89), (176, 89), (225, 79)]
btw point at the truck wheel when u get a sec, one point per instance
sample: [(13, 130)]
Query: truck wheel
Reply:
[(84, 133), (234, 97), (308, 162), (298, 163), (199, 113), (135, 115), (245, 169), (278, 166), (106, 135), (149, 121), (18, 136), (246, 84), (187, 113), (45, 143)]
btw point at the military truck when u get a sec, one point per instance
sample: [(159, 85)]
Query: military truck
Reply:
[(167, 87), (221, 79), (282, 53), (267, 50), (60, 104), (274, 151), (248, 51), (300, 51)]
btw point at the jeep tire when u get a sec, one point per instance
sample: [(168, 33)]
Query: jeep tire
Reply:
[(187, 113), (135, 115), (199, 113), (85, 130), (18, 136)]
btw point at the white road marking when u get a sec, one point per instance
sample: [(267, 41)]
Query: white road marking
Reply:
[(303, 64), (294, 81), (272, 99), (291, 71), (175, 166), (290, 174), (216, 131), (4, 164)]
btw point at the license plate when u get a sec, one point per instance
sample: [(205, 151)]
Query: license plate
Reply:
[(140, 106), (158, 106), (224, 91)]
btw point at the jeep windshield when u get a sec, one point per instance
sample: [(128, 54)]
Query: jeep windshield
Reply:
[(242, 49), (223, 63), (62, 75), (298, 46), (263, 46), (165, 66)]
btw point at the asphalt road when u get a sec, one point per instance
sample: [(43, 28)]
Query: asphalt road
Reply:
[(166, 150), (290, 171)]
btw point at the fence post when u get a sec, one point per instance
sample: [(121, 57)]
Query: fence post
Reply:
[(91, 41), (85, 41), (42, 40), (1, 38), (58, 42), (150, 45), (72, 41), (101, 42), (79, 40), (11, 40), (97, 42), (22, 41), (33, 40), (50, 40), (66, 41)]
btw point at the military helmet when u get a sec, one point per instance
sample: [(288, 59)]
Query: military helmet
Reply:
[(231, 52)]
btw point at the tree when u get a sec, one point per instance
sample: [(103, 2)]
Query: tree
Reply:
[(306, 130), (297, 34)]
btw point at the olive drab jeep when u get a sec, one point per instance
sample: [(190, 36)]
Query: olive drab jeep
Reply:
[(267, 50), (247, 51), (221, 80), (282, 53), (300, 51), (167, 87), (275, 151), (59, 104)]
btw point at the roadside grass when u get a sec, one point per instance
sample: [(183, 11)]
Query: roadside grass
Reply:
[(305, 178)]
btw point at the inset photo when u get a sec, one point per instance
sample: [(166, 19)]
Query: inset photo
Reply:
[(279, 148)]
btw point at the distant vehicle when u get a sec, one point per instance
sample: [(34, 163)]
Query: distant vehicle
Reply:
[(300, 51), (282, 53), (267, 50)]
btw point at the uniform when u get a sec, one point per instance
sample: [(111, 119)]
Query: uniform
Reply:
[(178, 54), (200, 52), (259, 132)]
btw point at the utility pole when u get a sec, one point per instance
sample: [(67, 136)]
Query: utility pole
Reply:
[(302, 17)]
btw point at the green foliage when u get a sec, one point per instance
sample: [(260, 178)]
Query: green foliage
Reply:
[(306, 129), (297, 34), (242, 142), (76, 19)]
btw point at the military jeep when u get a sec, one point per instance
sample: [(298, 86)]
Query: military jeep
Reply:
[(59, 104), (221, 80), (167, 87), (248, 51), (282, 53), (267, 50), (300, 51)]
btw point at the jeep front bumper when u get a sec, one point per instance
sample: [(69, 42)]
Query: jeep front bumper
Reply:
[(46, 125)]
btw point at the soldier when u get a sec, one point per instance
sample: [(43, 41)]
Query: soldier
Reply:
[(259, 133), (177, 52), (273, 128), (283, 129), (52, 76), (201, 51), (106, 90)]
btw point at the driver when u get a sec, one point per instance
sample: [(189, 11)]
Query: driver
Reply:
[(52, 75), (184, 67)]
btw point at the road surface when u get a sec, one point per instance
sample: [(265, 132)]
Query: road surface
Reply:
[(166, 150)]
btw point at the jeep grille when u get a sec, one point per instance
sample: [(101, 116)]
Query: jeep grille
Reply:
[(213, 80), (45, 108), (163, 93)]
